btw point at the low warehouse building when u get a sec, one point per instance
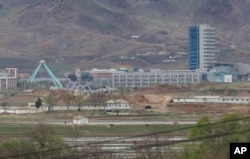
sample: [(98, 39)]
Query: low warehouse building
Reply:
[(212, 99)]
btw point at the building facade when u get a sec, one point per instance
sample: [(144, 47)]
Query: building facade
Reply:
[(193, 48), (212, 99), (201, 47), (8, 79), (238, 71), (117, 104), (145, 79)]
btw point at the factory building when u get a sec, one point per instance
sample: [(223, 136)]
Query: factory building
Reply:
[(8, 79), (101, 73), (103, 77), (201, 47), (228, 72), (145, 79)]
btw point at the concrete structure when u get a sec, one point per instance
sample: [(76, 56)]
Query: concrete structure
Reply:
[(228, 78), (78, 92), (212, 99), (102, 77), (78, 74), (145, 79), (22, 110), (201, 47), (101, 73), (8, 79), (219, 77), (228, 72), (109, 105), (88, 107), (23, 75), (80, 120), (118, 104)]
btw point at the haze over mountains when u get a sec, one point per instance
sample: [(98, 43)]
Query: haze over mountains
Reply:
[(97, 33)]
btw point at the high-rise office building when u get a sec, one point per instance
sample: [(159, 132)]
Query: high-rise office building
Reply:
[(201, 47)]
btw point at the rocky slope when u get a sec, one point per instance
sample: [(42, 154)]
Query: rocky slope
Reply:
[(97, 33)]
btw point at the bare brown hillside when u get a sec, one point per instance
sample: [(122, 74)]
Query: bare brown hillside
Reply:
[(96, 33)]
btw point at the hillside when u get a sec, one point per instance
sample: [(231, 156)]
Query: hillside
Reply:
[(97, 33)]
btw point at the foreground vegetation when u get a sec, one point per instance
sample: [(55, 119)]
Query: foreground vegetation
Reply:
[(215, 138), (206, 140)]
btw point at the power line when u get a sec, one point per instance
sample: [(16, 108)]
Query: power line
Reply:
[(172, 130), (157, 144), (136, 136)]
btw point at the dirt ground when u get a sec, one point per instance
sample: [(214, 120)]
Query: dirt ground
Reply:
[(156, 101), (159, 97)]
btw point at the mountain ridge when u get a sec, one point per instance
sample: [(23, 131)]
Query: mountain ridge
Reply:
[(96, 33)]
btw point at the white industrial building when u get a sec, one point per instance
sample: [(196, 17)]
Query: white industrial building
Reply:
[(145, 79), (108, 105), (212, 99), (117, 104), (8, 79), (201, 47), (206, 46)]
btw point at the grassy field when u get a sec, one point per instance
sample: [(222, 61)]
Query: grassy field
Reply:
[(13, 130)]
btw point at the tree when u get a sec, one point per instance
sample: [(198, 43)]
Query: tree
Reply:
[(45, 139), (115, 96), (97, 99), (67, 99), (4, 104), (50, 100), (42, 143), (216, 147), (80, 101), (38, 103), (85, 76), (16, 147), (72, 77)]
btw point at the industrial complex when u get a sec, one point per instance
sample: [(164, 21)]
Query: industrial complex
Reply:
[(145, 79), (202, 67)]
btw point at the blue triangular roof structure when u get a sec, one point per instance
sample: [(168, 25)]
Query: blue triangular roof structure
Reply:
[(42, 63)]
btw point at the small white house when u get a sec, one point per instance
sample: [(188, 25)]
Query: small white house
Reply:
[(80, 120), (117, 104)]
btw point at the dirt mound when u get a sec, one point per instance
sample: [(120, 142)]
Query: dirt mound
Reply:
[(158, 89), (154, 100)]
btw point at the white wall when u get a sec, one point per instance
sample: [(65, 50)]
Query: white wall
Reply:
[(215, 99), (81, 121), (21, 110), (228, 78), (87, 108), (29, 110)]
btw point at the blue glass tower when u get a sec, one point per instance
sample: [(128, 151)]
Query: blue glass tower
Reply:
[(201, 47), (193, 48)]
